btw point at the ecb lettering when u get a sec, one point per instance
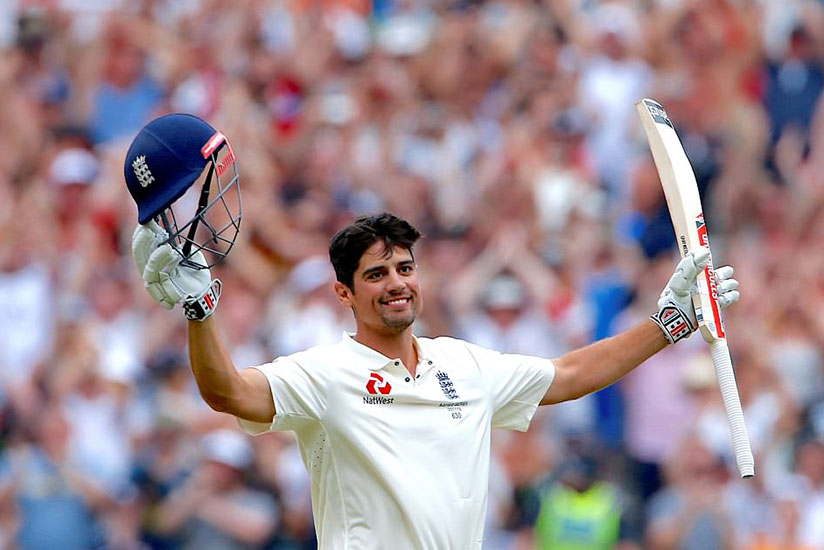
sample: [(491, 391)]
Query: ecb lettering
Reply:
[(227, 161)]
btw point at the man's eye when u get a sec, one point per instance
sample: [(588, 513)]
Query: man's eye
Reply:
[(374, 275), (406, 269)]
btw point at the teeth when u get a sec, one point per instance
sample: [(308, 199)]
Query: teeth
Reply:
[(398, 301)]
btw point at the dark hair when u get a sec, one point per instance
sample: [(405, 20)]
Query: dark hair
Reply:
[(349, 244)]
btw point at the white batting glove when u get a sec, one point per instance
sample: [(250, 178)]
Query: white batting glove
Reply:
[(676, 315), (145, 240), (167, 280), (170, 282)]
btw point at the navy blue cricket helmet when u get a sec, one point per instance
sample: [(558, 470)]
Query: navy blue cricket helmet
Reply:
[(165, 160)]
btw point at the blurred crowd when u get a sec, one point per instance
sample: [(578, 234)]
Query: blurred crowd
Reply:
[(504, 129)]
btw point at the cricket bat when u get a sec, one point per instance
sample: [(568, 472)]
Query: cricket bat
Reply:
[(684, 203)]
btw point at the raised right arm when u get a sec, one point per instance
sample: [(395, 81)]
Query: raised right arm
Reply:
[(245, 394)]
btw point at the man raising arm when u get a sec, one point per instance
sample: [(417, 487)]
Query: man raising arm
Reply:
[(394, 429), (245, 393), (602, 363)]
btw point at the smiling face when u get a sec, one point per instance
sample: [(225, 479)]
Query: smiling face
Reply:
[(385, 296)]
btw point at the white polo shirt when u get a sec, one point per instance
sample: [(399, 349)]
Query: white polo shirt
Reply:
[(395, 461)]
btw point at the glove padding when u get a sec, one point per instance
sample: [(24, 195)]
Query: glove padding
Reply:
[(145, 240), (168, 280), (676, 314), (726, 287)]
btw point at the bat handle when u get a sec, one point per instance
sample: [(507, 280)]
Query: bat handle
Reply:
[(732, 404)]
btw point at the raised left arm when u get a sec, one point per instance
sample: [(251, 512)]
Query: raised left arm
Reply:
[(602, 363)]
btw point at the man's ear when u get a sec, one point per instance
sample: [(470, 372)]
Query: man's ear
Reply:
[(343, 293)]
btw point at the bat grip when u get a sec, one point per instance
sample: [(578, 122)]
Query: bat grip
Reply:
[(732, 405)]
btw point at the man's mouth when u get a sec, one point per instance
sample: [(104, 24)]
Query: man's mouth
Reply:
[(397, 302)]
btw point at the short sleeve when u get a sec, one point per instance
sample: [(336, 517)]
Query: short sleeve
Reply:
[(515, 385), (298, 392)]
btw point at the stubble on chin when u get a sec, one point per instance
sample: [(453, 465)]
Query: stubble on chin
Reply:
[(398, 324)]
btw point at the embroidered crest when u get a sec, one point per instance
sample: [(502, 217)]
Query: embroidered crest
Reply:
[(446, 385), (142, 172)]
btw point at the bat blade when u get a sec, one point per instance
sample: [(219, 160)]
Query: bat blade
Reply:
[(686, 212), (684, 204)]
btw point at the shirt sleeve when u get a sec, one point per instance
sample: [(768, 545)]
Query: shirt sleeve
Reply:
[(515, 385), (298, 393)]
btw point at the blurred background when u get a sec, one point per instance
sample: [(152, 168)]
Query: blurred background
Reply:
[(506, 131)]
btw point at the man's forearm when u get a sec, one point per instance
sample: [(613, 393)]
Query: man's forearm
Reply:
[(603, 363), (216, 376)]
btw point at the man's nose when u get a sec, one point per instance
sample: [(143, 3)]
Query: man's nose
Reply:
[(394, 281)]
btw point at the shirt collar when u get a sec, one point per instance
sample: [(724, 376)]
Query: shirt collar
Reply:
[(375, 360)]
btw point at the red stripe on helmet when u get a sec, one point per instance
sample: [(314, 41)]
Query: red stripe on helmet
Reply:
[(211, 146)]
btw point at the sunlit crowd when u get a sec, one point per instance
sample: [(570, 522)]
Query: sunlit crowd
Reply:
[(506, 131)]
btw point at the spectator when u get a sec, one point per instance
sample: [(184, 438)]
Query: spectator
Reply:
[(793, 86), (612, 79), (59, 505), (688, 513), (214, 509), (127, 95), (785, 533), (306, 311), (581, 510)]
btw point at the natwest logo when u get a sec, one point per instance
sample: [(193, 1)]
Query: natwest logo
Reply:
[(377, 385)]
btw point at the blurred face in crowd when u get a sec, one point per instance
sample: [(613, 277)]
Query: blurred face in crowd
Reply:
[(125, 59), (505, 316), (53, 433), (73, 198), (701, 465), (613, 45), (788, 514), (221, 476), (810, 462), (110, 296), (385, 296)]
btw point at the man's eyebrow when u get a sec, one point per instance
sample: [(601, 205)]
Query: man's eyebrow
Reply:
[(382, 267), (375, 269)]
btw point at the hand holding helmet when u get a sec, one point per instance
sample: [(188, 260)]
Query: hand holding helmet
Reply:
[(164, 164), (168, 279)]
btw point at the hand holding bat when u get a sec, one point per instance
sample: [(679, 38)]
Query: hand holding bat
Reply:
[(712, 291), (676, 313)]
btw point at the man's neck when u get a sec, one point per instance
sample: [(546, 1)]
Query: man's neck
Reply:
[(400, 346)]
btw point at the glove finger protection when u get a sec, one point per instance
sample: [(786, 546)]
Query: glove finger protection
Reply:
[(146, 239), (156, 292), (723, 273), (726, 286), (159, 265), (169, 281), (157, 276), (175, 281), (676, 315), (727, 299)]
